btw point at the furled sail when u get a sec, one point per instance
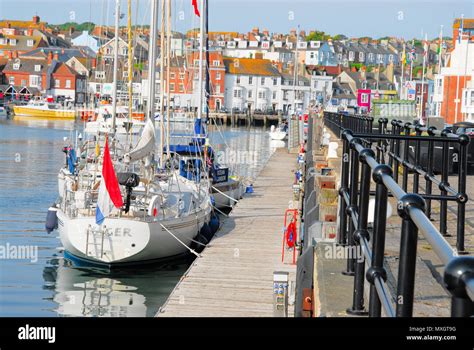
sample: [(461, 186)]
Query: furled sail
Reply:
[(145, 145)]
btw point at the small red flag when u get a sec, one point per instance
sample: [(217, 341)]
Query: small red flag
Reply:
[(196, 10)]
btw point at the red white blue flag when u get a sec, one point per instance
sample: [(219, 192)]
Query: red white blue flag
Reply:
[(109, 190), (196, 9)]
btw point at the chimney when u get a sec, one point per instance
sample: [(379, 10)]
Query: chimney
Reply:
[(259, 55), (10, 55), (50, 57), (293, 32), (36, 19), (56, 56), (62, 51), (15, 54), (266, 32), (255, 30), (94, 63)]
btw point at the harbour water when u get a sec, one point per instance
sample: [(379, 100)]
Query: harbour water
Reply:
[(43, 283)]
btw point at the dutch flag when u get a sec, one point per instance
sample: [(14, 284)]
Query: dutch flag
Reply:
[(109, 190)]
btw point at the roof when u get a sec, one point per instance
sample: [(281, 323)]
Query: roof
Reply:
[(64, 69), (250, 66), (64, 54), (28, 65), (21, 42)]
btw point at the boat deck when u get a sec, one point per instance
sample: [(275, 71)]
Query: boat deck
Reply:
[(234, 276)]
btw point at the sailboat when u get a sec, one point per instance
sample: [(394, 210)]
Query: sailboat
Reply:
[(163, 212)]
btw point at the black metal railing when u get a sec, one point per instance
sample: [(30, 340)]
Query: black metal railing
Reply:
[(360, 165)]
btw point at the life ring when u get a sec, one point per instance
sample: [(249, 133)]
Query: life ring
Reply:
[(290, 235)]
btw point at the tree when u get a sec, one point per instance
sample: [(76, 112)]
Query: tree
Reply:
[(318, 36)]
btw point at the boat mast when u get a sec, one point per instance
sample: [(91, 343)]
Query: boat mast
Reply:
[(116, 50), (130, 60), (168, 71), (208, 64), (201, 49), (152, 61), (162, 81)]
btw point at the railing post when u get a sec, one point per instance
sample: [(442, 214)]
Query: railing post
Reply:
[(406, 150), (416, 175), (353, 203), (407, 262), (342, 239), (443, 214), (429, 171), (462, 196), (360, 234), (376, 269), (456, 274)]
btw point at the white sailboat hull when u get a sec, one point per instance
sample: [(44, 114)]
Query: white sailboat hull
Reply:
[(277, 135), (127, 241)]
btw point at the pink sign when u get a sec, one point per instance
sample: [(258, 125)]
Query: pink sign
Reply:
[(363, 99)]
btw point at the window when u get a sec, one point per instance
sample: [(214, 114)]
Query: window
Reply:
[(172, 75), (371, 57), (274, 95), (262, 81), (390, 58), (250, 80), (361, 56), (2, 41), (351, 55), (218, 89), (172, 87), (100, 75), (196, 63), (181, 76), (238, 80), (250, 93), (57, 84), (218, 76), (472, 98), (11, 80), (37, 68), (13, 42), (97, 88), (68, 84), (23, 82), (311, 55), (237, 93), (16, 66), (364, 98), (30, 42), (216, 63), (275, 81), (35, 81), (181, 87), (262, 95)]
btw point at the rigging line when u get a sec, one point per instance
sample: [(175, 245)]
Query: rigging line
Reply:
[(188, 248)]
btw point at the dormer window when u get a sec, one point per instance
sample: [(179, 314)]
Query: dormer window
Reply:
[(37, 68), (216, 63), (13, 42), (16, 66), (30, 43)]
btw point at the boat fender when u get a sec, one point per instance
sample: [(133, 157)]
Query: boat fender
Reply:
[(203, 241), (51, 219), (214, 223), (206, 232), (249, 189)]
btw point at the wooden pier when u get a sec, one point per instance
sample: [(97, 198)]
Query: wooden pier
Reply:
[(234, 276)]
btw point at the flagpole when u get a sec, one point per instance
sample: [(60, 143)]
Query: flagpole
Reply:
[(412, 57), (152, 62), (457, 82), (201, 49), (162, 81), (115, 74), (168, 77), (425, 53), (402, 79), (440, 49)]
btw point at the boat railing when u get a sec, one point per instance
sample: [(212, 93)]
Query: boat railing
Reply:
[(366, 161)]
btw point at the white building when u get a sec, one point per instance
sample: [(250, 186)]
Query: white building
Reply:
[(252, 84)]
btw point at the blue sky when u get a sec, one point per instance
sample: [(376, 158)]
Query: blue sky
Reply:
[(375, 18)]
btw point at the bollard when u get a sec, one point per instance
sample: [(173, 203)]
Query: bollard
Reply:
[(462, 196)]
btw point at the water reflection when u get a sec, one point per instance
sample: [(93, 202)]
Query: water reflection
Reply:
[(87, 292)]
